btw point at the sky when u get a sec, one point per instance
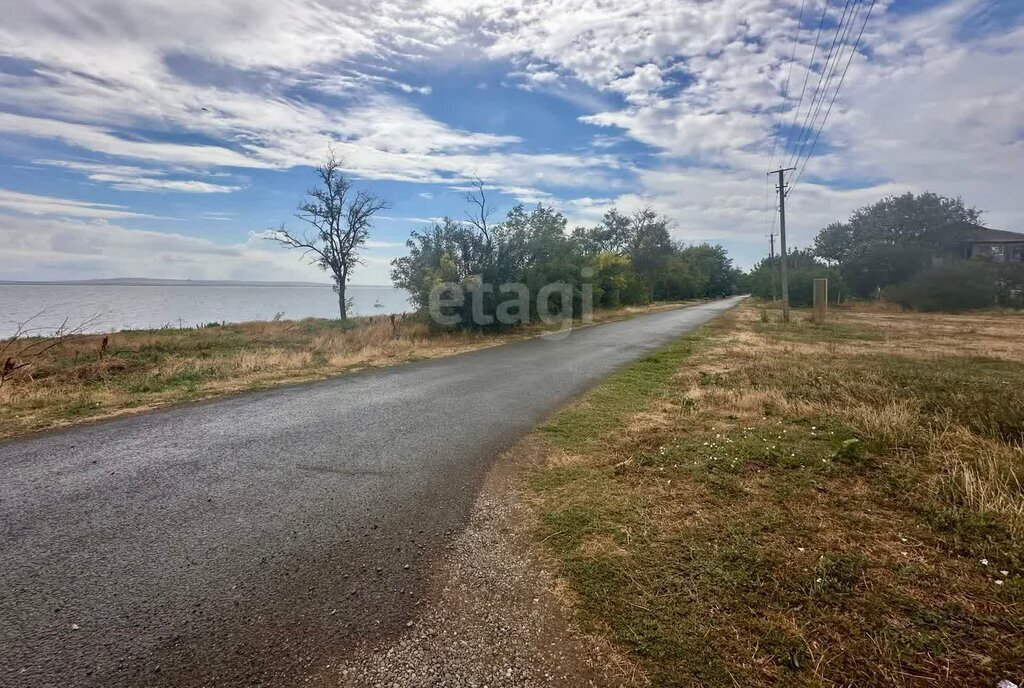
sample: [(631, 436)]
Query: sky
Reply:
[(149, 138)]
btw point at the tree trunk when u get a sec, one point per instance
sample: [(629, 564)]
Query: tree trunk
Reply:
[(341, 300)]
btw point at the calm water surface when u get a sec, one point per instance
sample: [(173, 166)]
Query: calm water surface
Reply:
[(118, 307)]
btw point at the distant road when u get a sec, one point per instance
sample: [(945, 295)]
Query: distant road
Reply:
[(247, 540)]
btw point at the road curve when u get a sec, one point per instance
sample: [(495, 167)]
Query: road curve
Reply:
[(247, 540)]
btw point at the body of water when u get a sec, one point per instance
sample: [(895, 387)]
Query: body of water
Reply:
[(109, 308)]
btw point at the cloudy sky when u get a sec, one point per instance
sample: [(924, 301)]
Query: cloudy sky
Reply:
[(159, 139)]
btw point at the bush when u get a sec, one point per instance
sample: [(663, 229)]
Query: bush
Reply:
[(804, 268), (960, 287), (880, 266), (801, 285)]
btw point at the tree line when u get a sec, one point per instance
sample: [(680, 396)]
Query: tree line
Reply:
[(626, 259), (907, 248)]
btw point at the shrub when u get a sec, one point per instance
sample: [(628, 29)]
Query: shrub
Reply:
[(959, 287), (880, 266), (803, 269)]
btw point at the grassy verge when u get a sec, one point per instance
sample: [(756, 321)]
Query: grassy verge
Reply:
[(83, 379), (768, 504)]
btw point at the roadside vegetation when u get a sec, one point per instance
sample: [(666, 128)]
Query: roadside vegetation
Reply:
[(508, 268), (74, 378), (801, 505), (626, 260), (907, 249)]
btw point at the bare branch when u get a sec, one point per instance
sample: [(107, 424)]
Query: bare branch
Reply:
[(482, 213), (342, 220), (22, 349)]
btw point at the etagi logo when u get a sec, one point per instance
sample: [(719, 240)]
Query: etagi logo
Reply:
[(512, 303)]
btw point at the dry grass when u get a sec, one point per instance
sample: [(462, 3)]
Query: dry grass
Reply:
[(803, 505), (140, 370)]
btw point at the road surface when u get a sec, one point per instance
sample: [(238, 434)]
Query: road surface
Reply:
[(250, 539)]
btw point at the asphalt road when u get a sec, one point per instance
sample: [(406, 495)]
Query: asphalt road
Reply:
[(248, 540)]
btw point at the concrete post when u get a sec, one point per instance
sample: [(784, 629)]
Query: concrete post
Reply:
[(820, 300)]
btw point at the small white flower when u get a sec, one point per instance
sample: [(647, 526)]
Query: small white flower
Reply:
[(999, 582), (1005, 573), (984, 562)]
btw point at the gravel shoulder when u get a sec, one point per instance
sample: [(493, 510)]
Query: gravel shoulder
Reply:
[(495, 614)]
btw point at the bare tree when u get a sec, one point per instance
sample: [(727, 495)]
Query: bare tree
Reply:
[(481, 215), (341, 217), (20, 351)]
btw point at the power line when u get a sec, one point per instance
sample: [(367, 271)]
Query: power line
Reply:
[(841, 80), (785, 89), (782, 110), (807, 74), (829, 74), (822, 84), (819, 89)]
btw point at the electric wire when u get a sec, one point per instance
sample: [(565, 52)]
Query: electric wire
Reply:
[(819, 89), (841, 80), (807, 74)]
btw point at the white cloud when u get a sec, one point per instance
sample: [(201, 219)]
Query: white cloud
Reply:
[(32, 204), (128, 178), (699, 83), (641, 84), (101, 141), (38, 248)]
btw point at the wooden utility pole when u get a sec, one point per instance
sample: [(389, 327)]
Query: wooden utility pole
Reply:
[(782, 239), (771, 255)]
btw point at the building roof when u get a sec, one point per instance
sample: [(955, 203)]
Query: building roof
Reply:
[(983, 235)]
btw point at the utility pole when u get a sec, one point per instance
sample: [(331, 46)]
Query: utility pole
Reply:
[(782, 238), (771, 255)]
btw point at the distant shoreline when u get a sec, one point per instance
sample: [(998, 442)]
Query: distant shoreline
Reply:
[(144, 282)]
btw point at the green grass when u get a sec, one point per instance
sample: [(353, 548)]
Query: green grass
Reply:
[(608, 405), (726, 548)]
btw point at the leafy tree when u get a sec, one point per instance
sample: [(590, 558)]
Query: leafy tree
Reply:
[(835, 243), (879, 265), (803, 268), (712, 269), (448, 251), (632, 258), (889, 241), (614, 281), (679, 279)]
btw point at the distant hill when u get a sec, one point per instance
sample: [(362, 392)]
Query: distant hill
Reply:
[(147, 282)]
